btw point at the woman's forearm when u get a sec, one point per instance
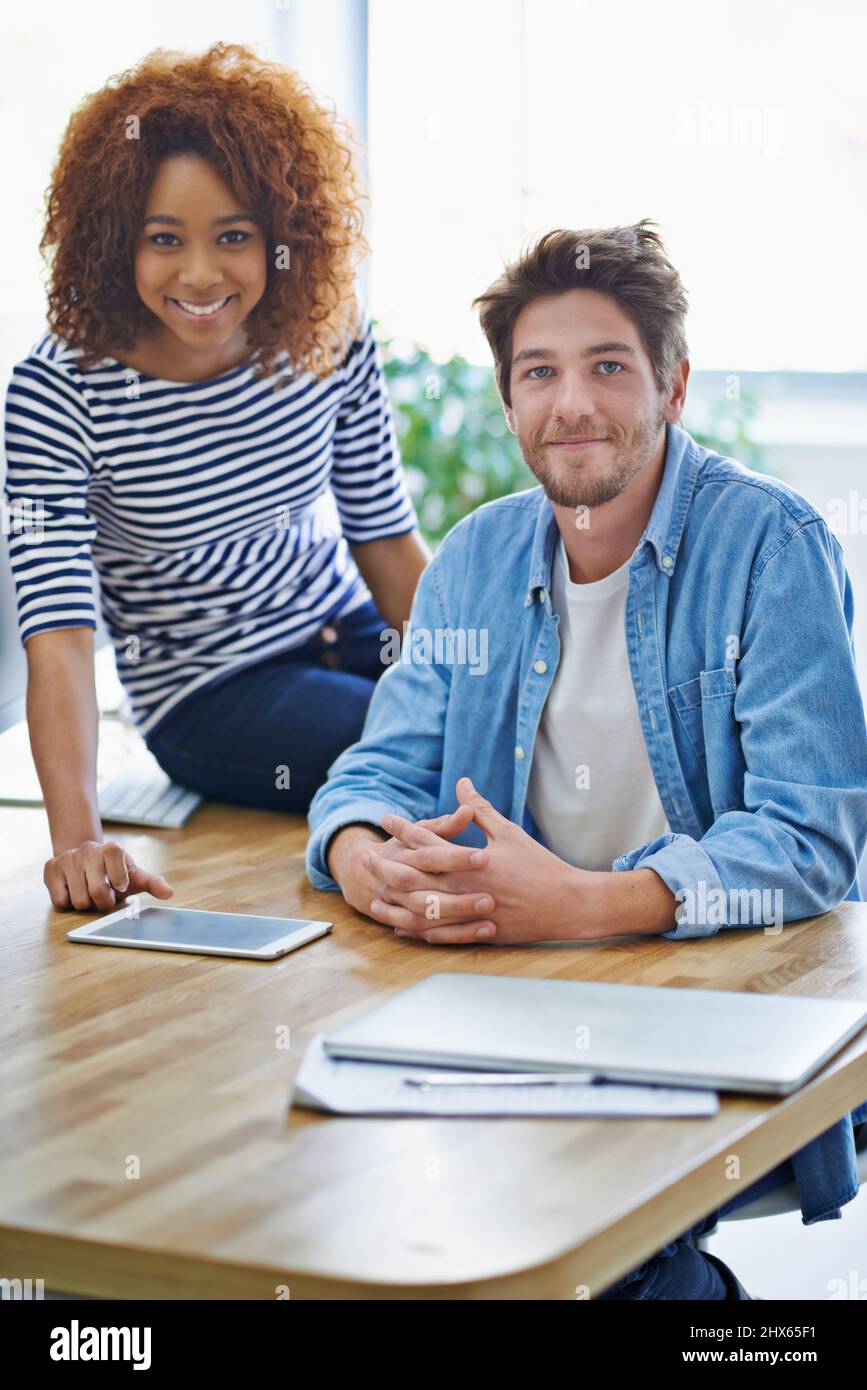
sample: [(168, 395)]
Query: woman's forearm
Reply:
[(391, 568), (63, 722)]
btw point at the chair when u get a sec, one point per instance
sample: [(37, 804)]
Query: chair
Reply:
[(786, 1198)]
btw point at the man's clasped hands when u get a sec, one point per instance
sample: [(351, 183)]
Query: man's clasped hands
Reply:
[(513, 890)]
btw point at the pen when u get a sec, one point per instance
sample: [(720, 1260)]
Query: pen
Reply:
[(499, 1078)]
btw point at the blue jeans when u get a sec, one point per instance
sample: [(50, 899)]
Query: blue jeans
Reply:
[(678, 1270), (296, 711)]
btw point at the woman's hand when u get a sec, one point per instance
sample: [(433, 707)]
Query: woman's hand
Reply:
[(98, 876)]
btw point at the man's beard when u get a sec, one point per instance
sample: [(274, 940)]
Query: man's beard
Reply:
[(582, 487)]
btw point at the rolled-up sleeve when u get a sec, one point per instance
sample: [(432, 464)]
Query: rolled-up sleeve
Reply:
[(795, 846), (396, 766)]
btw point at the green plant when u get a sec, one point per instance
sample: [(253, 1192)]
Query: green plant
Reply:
[(456, 446), (457, 449)]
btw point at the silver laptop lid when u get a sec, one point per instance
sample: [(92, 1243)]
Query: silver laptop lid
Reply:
[(769, 1044)]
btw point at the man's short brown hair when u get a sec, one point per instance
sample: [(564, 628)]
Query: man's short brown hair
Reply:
[(628, 263)]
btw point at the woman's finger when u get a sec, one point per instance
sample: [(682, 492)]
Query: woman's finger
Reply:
[(143, 882), (55, 881), (100, 891), (116, 868), (76, 882)]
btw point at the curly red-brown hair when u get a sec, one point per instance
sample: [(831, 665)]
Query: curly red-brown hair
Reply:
[(279, 151)]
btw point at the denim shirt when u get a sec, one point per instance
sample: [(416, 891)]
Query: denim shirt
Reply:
[(739, 636)]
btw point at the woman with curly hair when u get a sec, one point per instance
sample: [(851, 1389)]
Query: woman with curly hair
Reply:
[(207, 391)]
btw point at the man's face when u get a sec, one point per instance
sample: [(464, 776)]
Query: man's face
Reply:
[(580, 373)]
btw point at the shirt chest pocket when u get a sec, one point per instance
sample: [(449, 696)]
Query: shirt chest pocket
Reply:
[(705, 710)]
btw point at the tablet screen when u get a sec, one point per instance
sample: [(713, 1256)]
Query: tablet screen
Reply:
[(184, 927)]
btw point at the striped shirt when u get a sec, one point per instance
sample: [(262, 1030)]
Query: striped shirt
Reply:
[(215, 514)]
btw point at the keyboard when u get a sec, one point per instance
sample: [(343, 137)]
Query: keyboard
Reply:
[(146, 796)]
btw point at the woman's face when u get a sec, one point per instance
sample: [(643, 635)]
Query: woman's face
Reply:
[(198, 248)]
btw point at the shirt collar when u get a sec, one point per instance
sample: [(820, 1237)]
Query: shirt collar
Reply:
[(667, 519)]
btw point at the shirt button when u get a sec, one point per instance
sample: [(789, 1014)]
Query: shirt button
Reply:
[(540, 666), (519, 752), (667, 561)]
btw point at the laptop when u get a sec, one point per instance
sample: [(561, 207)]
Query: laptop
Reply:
[(132, 788), (769, 1044)]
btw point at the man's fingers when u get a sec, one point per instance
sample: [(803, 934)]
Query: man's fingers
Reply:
[(406, 880), (486, 816), (433, 907), (456, 934), (409, 832), (448, 859), (430, 852), (391, 914), (451, 824), (397, 873)]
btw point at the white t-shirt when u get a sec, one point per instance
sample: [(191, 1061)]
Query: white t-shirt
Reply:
[(591, 789)]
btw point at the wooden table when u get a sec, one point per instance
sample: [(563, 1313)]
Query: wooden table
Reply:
[(116, 1057)]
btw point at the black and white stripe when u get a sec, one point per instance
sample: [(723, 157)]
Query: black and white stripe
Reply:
[(207, 509)]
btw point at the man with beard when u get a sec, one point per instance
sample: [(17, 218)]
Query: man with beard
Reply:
[(671, 732)]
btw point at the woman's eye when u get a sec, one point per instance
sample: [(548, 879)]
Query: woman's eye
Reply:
[(235, 232), (618, 365)]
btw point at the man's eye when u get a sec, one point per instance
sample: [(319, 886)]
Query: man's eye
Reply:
[(538, 369), (618, 365)]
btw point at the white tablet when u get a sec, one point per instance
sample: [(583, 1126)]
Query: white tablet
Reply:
[(203, 933)]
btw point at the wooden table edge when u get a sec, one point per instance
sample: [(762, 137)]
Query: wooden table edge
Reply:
[(65, 1263)]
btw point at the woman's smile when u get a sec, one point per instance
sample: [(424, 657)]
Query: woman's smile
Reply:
[(202, 311)]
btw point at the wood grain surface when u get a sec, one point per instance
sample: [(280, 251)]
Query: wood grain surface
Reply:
[(111, 1055)]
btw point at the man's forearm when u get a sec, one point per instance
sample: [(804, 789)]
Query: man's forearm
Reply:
[(632, 902)]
